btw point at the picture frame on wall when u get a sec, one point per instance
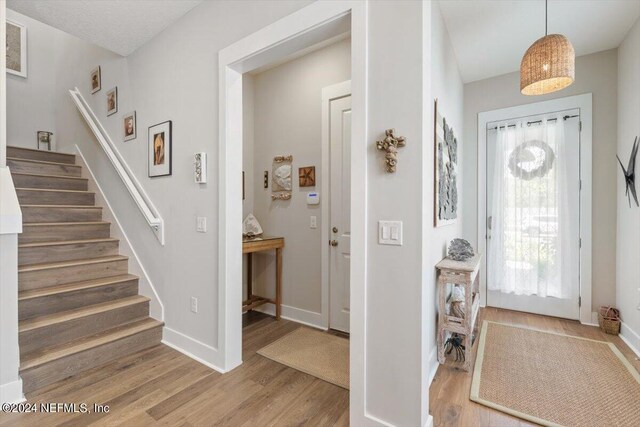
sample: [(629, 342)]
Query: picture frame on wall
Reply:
[(112, 101), (446, 165), (159, 149), (16, 49), (96, 80), (129, 126)]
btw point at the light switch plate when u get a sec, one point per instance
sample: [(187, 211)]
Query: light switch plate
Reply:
[(201, 224), (390, 233), (313, 222), (194, 304)]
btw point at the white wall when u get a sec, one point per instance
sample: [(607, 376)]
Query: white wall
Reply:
[(288, 120), (447, 87), (595, 73), (628, 220)]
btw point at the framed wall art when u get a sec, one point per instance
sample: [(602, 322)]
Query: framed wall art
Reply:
[(129, 126), (446, 159), (112, 101), (16, 49), (307, 176), (160, 145), (96, 80)]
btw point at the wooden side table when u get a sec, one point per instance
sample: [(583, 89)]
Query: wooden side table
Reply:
[(465, 274), (261, 244)]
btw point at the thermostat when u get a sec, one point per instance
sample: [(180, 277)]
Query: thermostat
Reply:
[(313, 198)]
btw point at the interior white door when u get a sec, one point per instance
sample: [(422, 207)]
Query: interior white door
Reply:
[(525, 234), (340, 212)]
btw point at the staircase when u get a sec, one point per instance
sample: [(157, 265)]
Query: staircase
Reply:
[(78, 306)]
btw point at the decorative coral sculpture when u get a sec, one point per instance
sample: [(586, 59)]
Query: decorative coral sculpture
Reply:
[(390, 145)]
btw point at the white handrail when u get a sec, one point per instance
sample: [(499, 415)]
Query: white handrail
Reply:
[(138, 194)]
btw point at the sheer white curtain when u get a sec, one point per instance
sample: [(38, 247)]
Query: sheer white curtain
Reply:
[(530, 227)]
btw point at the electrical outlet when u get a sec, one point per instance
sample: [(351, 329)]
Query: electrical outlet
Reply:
[(194, 304), (313, 222), (201, 224), (638, 298)]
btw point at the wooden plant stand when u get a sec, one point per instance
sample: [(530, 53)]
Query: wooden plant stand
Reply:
[(458, 273)]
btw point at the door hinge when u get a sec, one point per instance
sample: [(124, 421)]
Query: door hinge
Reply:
[(579, 301), (580, 125), (580, 242), (580, 184)]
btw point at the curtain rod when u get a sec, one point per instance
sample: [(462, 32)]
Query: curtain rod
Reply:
[(536, 121)]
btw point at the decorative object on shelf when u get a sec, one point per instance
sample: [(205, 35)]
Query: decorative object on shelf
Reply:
[(16, 48), (307, 176), (454, 342), (630, 173), (44, 137), (200, 169), (129, 126), (251, 227), (531, 159), (460, 250), (159, 149), (446, 158), (112, 101), (390, 145), (457, 302), (281, 177), (266, 179), (96, 80), (548, 65), (609, 320)]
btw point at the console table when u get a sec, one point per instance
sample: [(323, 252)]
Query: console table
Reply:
[(465, 274), (261, 244)]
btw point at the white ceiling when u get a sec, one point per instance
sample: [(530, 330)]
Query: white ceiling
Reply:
[(121, 26), (490, 37)]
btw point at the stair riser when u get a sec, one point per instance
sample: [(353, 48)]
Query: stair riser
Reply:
[(47, 156), (55, 214), (35, 234), (49, 373), (43, 168), (61, 333), (70, 300), (48, 182), (59, 276), (67, 252), (30, 197)]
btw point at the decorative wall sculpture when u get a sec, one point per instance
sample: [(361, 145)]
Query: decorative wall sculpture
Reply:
[(16, 49), (390, 145), (281, 178), (630, 173), (446, 158), (307, 176)]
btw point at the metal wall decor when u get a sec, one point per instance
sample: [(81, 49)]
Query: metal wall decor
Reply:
[(446, 158), (630, 173), (281, 178), (390, 145)]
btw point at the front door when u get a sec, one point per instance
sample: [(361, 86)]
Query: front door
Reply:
[(533, 214), (340, 212)]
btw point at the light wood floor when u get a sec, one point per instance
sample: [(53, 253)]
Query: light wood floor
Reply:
[(449, 393), (161, 386)]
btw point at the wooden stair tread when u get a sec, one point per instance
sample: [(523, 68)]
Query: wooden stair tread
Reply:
[(66, 242), (44, 162), (54, 190), (17, 147), (64, 316), (50, 176), (61, 206), (63, 224), (71, 263), (76, 286), (54, 353)]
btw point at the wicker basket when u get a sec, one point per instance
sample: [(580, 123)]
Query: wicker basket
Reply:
[(609, 320)]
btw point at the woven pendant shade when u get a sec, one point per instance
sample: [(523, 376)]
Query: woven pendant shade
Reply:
[(547, 66)]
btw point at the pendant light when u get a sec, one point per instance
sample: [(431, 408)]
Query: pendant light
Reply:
[(548, 65)]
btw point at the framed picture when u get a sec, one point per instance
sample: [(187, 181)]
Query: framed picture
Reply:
[(16, 49), (446, 160), (160, 149), (129, 126), (96, 80), (307, 176), (112, 101)]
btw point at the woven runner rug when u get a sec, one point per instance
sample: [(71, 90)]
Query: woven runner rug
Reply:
[(554, 379)]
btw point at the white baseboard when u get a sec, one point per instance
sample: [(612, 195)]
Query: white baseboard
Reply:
[(198, 351), (630, 338), (306, 317), (12, 392), (429, 422), (433, 364)]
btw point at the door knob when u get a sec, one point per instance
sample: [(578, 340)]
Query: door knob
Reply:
[(333, 243), (334, 229)]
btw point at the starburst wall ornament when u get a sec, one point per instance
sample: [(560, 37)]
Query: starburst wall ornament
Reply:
[(630, 174)]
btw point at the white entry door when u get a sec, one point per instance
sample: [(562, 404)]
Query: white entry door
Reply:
[(533, 214), (340, 212)]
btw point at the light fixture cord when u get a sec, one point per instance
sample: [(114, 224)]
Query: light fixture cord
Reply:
[(546, 16)]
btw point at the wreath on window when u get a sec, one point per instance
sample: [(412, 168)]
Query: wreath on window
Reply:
[(532, 159)]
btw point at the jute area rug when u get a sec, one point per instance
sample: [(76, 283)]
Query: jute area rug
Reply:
[(554, 379), (313, 352)]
